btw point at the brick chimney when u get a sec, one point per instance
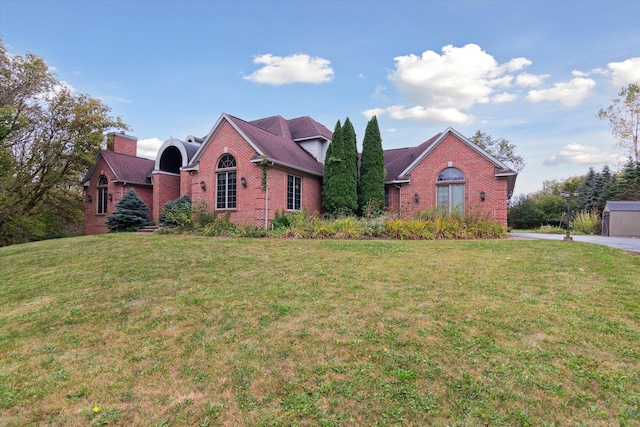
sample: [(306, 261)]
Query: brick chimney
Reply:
[(121, 143)]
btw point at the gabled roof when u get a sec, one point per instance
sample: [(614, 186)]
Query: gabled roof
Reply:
[(125, 168), (273, 139), (306, 128), (400, 162), (397, 160), (633, 205)]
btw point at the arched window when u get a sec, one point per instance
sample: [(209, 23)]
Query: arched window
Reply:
[(450, 190), (102, 194), (226, 183)]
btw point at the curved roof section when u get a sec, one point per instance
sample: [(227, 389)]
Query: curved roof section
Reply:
[(187, 150)]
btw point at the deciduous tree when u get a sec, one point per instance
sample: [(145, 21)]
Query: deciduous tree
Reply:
[(624, 118), (501, 149), (49, 136)]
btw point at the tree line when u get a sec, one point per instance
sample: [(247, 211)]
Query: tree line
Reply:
[(595, 188)]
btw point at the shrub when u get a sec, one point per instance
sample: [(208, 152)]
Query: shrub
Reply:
[(202, 216), (219, 226), (550, 229), (347, 228), (587, 222), (177, 213), (131, 213), (251, 231)]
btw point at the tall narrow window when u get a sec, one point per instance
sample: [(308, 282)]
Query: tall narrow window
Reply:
[(102, 195), (294, 184), (226, 183), (450, 190)]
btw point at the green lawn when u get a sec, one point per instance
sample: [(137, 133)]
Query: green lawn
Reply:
[(129, 329)]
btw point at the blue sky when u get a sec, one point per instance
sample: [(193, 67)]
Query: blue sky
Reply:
[(535, 73)]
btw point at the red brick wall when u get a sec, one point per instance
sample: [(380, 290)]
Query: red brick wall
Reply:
[(250, 200), (166, 187), (95, 223), (479, 176), (121, 143)]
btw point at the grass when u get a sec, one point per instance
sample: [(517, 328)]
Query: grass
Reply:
[(162, 330)]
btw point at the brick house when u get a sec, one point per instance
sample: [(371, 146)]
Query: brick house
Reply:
[(448, 171), (116, 170), (228, 169)]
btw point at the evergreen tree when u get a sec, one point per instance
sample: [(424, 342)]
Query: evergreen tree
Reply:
[(351, 160), (334, 184), (607, 187), (372, 173), (131, 213), (588, 198), (628, 185)]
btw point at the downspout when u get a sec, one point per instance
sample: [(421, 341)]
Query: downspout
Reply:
[(265, 187), (266, 208)]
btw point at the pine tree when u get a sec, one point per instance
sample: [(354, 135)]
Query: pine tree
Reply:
[(131, 213), (588, 197), (372, 173), (628, 185), (351, 160), (607, 187)]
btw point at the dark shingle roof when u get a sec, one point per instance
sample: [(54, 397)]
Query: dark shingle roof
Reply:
[(272, 137), (126, 168), (306, 128), (632, 205), (399, 159)]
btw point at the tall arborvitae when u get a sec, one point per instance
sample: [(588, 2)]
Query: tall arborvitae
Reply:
[(334, 184), (372, 173), (351, 161)]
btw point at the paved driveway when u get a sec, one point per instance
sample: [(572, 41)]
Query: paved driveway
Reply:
[(625, 243)]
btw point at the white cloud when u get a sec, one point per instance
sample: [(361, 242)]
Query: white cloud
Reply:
[(379, 93), (530, 80), (429, 115), (442, 86), (625, 72), (578, 154), (517, 64), (569, 93), (373, 112), (297, 68), (503, 97), (149, 147)]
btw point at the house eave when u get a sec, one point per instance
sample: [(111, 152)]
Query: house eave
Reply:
[(286, 165), (398, 181), (124, 182)]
